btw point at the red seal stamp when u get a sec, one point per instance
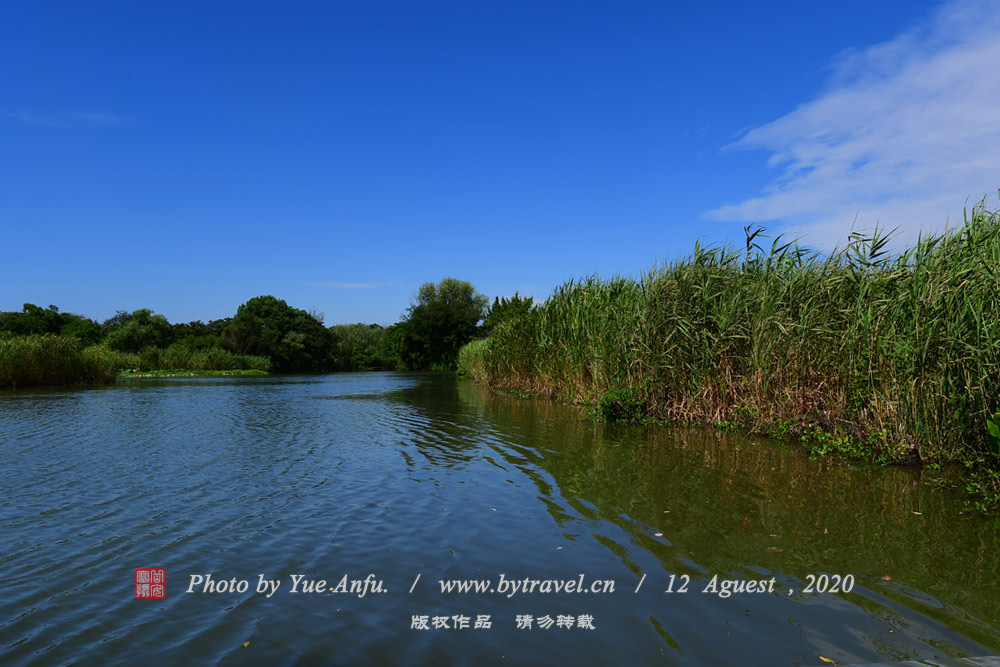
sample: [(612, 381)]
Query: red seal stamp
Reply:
[(150, 583)]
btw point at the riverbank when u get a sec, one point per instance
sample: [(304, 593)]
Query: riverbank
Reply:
[(891, 357), (50, 360), (187, 373)]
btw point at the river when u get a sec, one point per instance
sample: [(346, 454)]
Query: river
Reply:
[(388, 487)]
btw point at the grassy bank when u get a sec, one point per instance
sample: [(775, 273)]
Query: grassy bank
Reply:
[(878, 354), (50, 359)]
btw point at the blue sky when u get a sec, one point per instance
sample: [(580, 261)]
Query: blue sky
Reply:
[(186, 157)]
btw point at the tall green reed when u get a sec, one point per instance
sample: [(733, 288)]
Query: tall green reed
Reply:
[(895, 349), (49, 359)]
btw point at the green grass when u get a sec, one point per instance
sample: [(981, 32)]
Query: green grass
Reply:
[(888, 350)]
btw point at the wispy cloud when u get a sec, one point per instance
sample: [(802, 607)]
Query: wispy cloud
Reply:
[(96, 118), (76, 118), (352, 285), (904, 135)]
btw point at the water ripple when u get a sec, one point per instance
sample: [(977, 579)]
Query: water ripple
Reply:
[(399, 474)]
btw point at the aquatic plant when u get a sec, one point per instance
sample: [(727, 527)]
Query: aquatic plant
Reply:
[(50, 359), (890, 349), (209, 359), (993, 432), (470, 358)]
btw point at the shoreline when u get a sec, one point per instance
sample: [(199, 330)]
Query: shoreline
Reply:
[(177, 373)]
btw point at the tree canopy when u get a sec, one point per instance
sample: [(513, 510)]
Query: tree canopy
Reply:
[(507, 309), (295, 341), (444, 318), (441, 319), (138, 330)]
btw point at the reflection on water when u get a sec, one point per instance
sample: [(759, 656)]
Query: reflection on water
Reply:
[(406, 474), (734, 505)]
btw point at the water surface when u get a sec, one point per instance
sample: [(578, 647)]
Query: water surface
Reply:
[(400, 475)]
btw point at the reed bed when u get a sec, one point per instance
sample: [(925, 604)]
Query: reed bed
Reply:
[(897, 351), (470, 358), (50, 359), (177, 357)]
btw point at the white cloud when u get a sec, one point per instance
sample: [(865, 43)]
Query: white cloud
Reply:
[(905, 135)]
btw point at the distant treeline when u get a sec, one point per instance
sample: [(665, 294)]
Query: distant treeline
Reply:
[(862, 350), (45, 346)]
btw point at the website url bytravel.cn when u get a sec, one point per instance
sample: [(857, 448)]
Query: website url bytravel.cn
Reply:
[(510, 587)]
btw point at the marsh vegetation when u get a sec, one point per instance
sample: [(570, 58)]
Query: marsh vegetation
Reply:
[(890, 356)]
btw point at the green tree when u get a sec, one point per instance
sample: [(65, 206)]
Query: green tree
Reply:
[(138, 330), (32, 320), (443, 319), (506, 309), (35, 320), (118, 319), (86, 330), (363, 347), (295, 341), (200, 336)]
